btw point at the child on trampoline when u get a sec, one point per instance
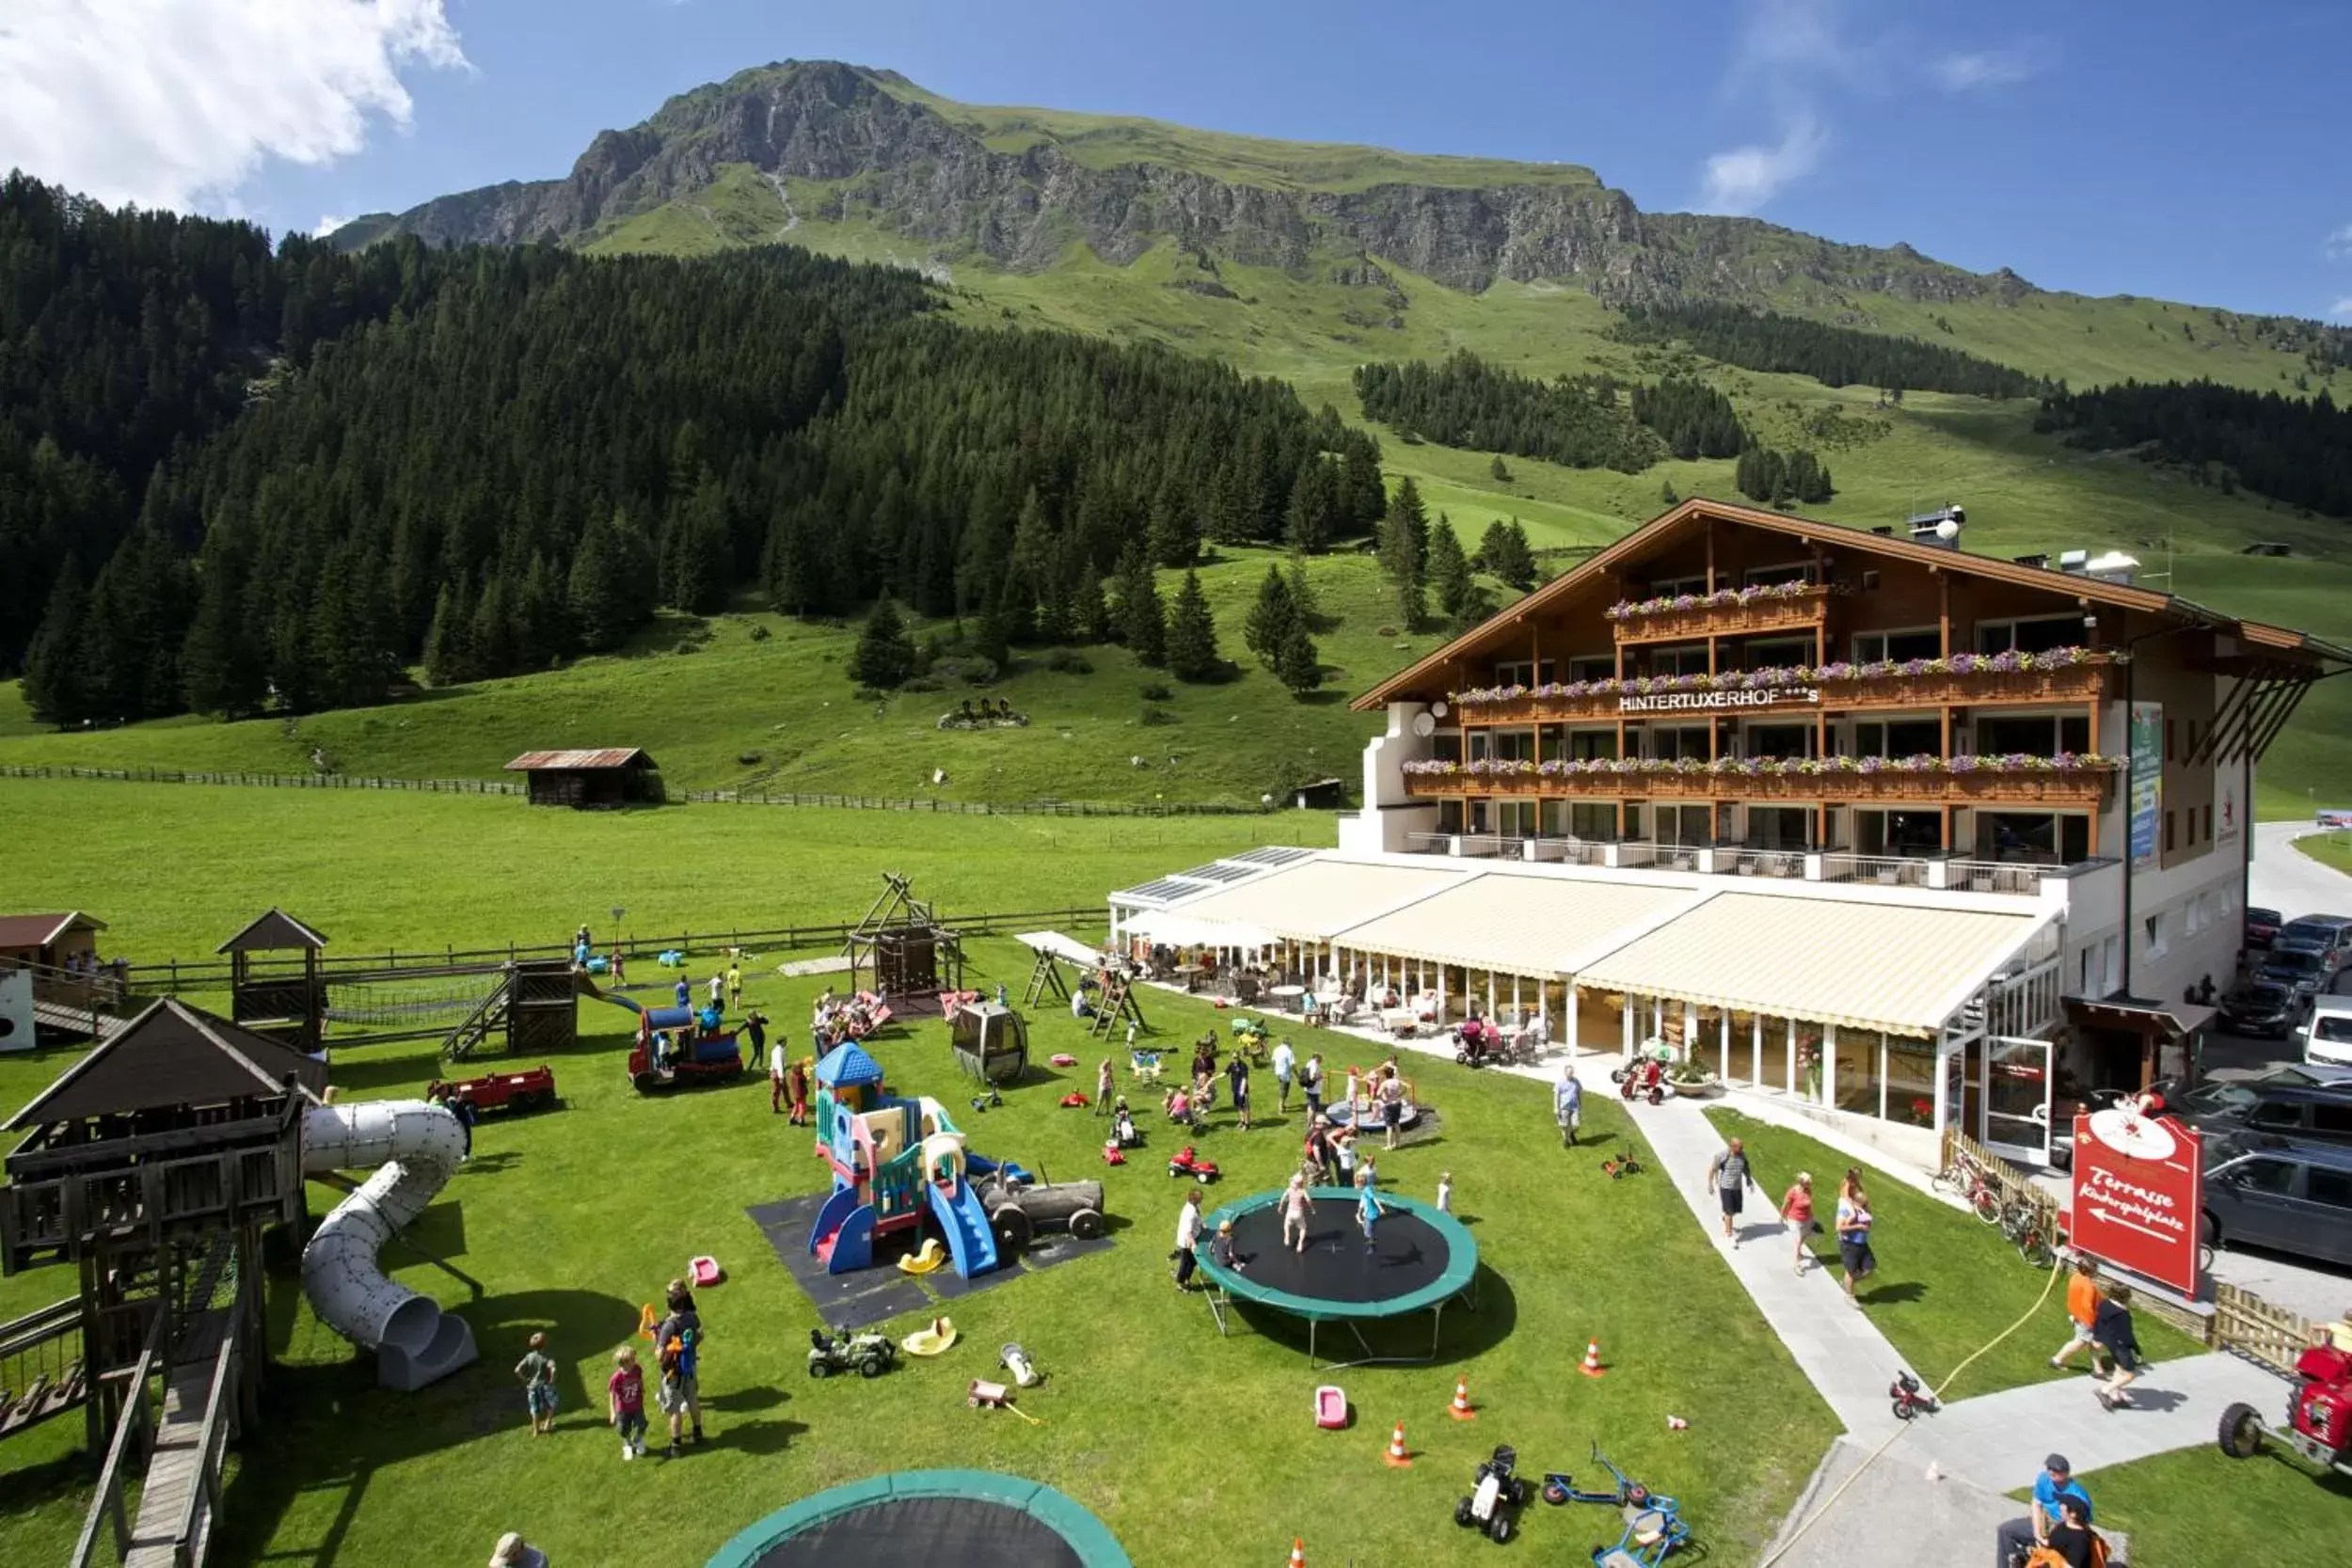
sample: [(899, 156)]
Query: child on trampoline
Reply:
[(1297, 1206), (1368, 1210)]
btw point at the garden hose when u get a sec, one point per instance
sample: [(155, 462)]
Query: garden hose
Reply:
[(1831, 1501)]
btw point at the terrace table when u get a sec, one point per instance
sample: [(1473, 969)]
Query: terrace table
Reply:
[(1400, 1022), (1287, 994)]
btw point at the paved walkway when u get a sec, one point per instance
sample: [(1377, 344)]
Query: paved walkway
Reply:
[(2284, 878)]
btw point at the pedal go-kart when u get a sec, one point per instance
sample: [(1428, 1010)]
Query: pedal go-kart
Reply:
[(1500, 1492), (1185, 1163), (867, 1354), (1653, 1521), (2319, 1414)]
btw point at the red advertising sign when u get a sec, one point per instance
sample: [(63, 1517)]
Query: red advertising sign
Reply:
[(2138, 1183)]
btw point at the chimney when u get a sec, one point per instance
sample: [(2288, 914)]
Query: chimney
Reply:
[(1940, 527)]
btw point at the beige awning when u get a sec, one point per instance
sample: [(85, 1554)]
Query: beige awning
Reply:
[(1858, 965), (1307, 903), (1517, 924)]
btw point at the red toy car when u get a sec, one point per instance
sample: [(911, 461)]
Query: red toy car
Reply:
[(532, 1089), (2319, 1414), (1185, 1163)]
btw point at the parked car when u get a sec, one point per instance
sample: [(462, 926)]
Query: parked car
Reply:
[(2220, 1101), (2272, 1193), (2331, 934), (2327, 1032), (2261, 926), (2265, 1008), (2298, 965)]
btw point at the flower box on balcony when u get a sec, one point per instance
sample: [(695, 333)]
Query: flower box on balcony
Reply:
[(1728, 612), (2080, 779)]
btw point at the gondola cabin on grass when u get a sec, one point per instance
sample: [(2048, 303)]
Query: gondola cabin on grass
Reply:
[(584, 781)]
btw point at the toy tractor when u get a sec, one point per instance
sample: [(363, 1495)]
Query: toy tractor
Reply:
[(867, 1354), (1493, 1506), (2319, 1414), (1185, 1163)]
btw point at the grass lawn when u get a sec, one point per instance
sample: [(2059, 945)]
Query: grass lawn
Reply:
[(174, 870), (1191, 1449), (2198, 1506), (1946, 1282), (2333, 850)]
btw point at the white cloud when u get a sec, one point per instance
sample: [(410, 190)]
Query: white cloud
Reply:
[(2339, 245), (1973, 70), (169, 103), (2342, 308), (326, 225), (1744, 179)]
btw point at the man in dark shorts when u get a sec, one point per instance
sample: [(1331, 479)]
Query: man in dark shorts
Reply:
[(1237, 1078), (1731, 1176), (1391, 1096)]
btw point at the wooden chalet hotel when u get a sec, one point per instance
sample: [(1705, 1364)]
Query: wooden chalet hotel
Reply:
[(1904, 835)]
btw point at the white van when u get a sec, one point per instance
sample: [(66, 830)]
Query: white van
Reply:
[(2328, 1033)]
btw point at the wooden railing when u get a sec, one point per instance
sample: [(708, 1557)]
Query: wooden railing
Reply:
[(1976, 688), (200, 1513), (1775, 613), (2085, 788), (2012, 1186), (137, 1421)]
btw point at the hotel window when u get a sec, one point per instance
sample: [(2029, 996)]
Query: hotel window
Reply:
[(1660, 588), (1782, 742), (2168, 832), (2208, 835), (1773, 653), (1690, 659), (2038, 735), (1593, 820), (1525, 672), (2159, 936), (1911, 643), (1911, 1080), (2031, 635), (1592, 667), (1795, 571), (1587, 745), (1904, 738), (1780, 828), (1515, 745), (1689, 826), (1670, 741), (1859, 1071)]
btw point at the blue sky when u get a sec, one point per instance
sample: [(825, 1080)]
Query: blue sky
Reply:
[(2187, 151)]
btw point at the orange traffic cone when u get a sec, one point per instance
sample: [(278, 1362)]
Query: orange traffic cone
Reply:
[(1396, 1456), (1591, 1365), (1298, 1552), (1460, 1409)]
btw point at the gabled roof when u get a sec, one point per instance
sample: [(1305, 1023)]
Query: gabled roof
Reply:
[(39, 930), (847, 1066), (171, 1055), (273, 931), (579, 761), (1698, 508)]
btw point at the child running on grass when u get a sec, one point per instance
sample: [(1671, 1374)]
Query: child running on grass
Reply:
[(624, 1393), (537, 1372)]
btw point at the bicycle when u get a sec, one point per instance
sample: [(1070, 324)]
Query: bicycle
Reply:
[(1967, 1179), (2022, 1224)]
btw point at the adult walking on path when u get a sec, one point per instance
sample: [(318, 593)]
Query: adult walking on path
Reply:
[(1796, 1207), (1853, 1230), (1285, 1064), (2018, 1536), (1731, 1179), (1310, 1083), (2111, 1331), (2082, 1306), (1568, 1105)]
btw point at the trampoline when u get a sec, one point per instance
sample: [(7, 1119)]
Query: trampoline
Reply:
[(929, 1519), (1419, 1260)]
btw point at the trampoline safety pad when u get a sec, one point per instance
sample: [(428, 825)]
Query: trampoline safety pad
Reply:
[(922, 1518)]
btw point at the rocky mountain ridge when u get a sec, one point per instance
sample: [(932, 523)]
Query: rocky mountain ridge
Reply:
[(916, 166)]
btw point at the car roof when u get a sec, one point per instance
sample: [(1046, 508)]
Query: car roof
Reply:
[(2307, 1094), (2334, 921), (2329, 1156), (2282, 949)]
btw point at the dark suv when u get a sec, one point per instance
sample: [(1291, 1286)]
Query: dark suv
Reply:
[(2270, 1192), (2264, 1007), (2307, 1100), (2303, 967)]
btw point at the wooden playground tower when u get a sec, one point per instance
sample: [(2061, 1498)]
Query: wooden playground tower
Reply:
[(532, 1000), (912, 957), (154, 1164)]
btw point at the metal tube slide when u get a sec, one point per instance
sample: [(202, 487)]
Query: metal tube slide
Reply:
[(416, 1147)]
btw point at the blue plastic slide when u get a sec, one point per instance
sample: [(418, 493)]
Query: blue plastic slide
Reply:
[(970, 1242)]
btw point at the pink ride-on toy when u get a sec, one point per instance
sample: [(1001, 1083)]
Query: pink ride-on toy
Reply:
[(704, 1272), (1330, 1408)]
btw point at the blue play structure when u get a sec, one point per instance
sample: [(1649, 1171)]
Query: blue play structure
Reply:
[(894, 1161)]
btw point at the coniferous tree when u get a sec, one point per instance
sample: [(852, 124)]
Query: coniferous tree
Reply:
[(884, 656), (1296, 663), (604, 589), (52, 661), (1303, 595), (448, 659), (1312, 519), (1271, 617), (1404, 550), (223, 670), (1172, 536), (1142, 620), (1192, 654), (1449, 576)]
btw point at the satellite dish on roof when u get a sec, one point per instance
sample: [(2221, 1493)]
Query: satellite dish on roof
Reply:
[(1424, 725), (1438, 708)]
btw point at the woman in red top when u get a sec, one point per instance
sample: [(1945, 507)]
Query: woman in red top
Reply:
[(1796, 1207)]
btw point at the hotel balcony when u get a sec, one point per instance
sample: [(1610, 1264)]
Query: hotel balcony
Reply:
[(2083, 781), (2062, 675), (1732, 612)]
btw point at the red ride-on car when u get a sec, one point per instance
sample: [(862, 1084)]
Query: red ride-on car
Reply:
[(2319, 1414), (1185, 1163), (532, 1089)]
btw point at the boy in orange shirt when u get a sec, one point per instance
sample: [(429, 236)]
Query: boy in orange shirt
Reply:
[(2082, 1306)]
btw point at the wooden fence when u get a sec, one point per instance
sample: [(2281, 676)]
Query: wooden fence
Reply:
[(173, 975), (2268, 1336), (674, 796)]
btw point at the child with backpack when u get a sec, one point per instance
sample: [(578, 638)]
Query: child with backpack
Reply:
[(679, 1358)]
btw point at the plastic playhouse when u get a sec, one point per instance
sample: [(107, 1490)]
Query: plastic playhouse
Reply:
[(676, 1046), (894, 1161)]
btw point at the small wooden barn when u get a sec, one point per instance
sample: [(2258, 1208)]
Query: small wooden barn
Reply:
[(49, 941), (590, 781)]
